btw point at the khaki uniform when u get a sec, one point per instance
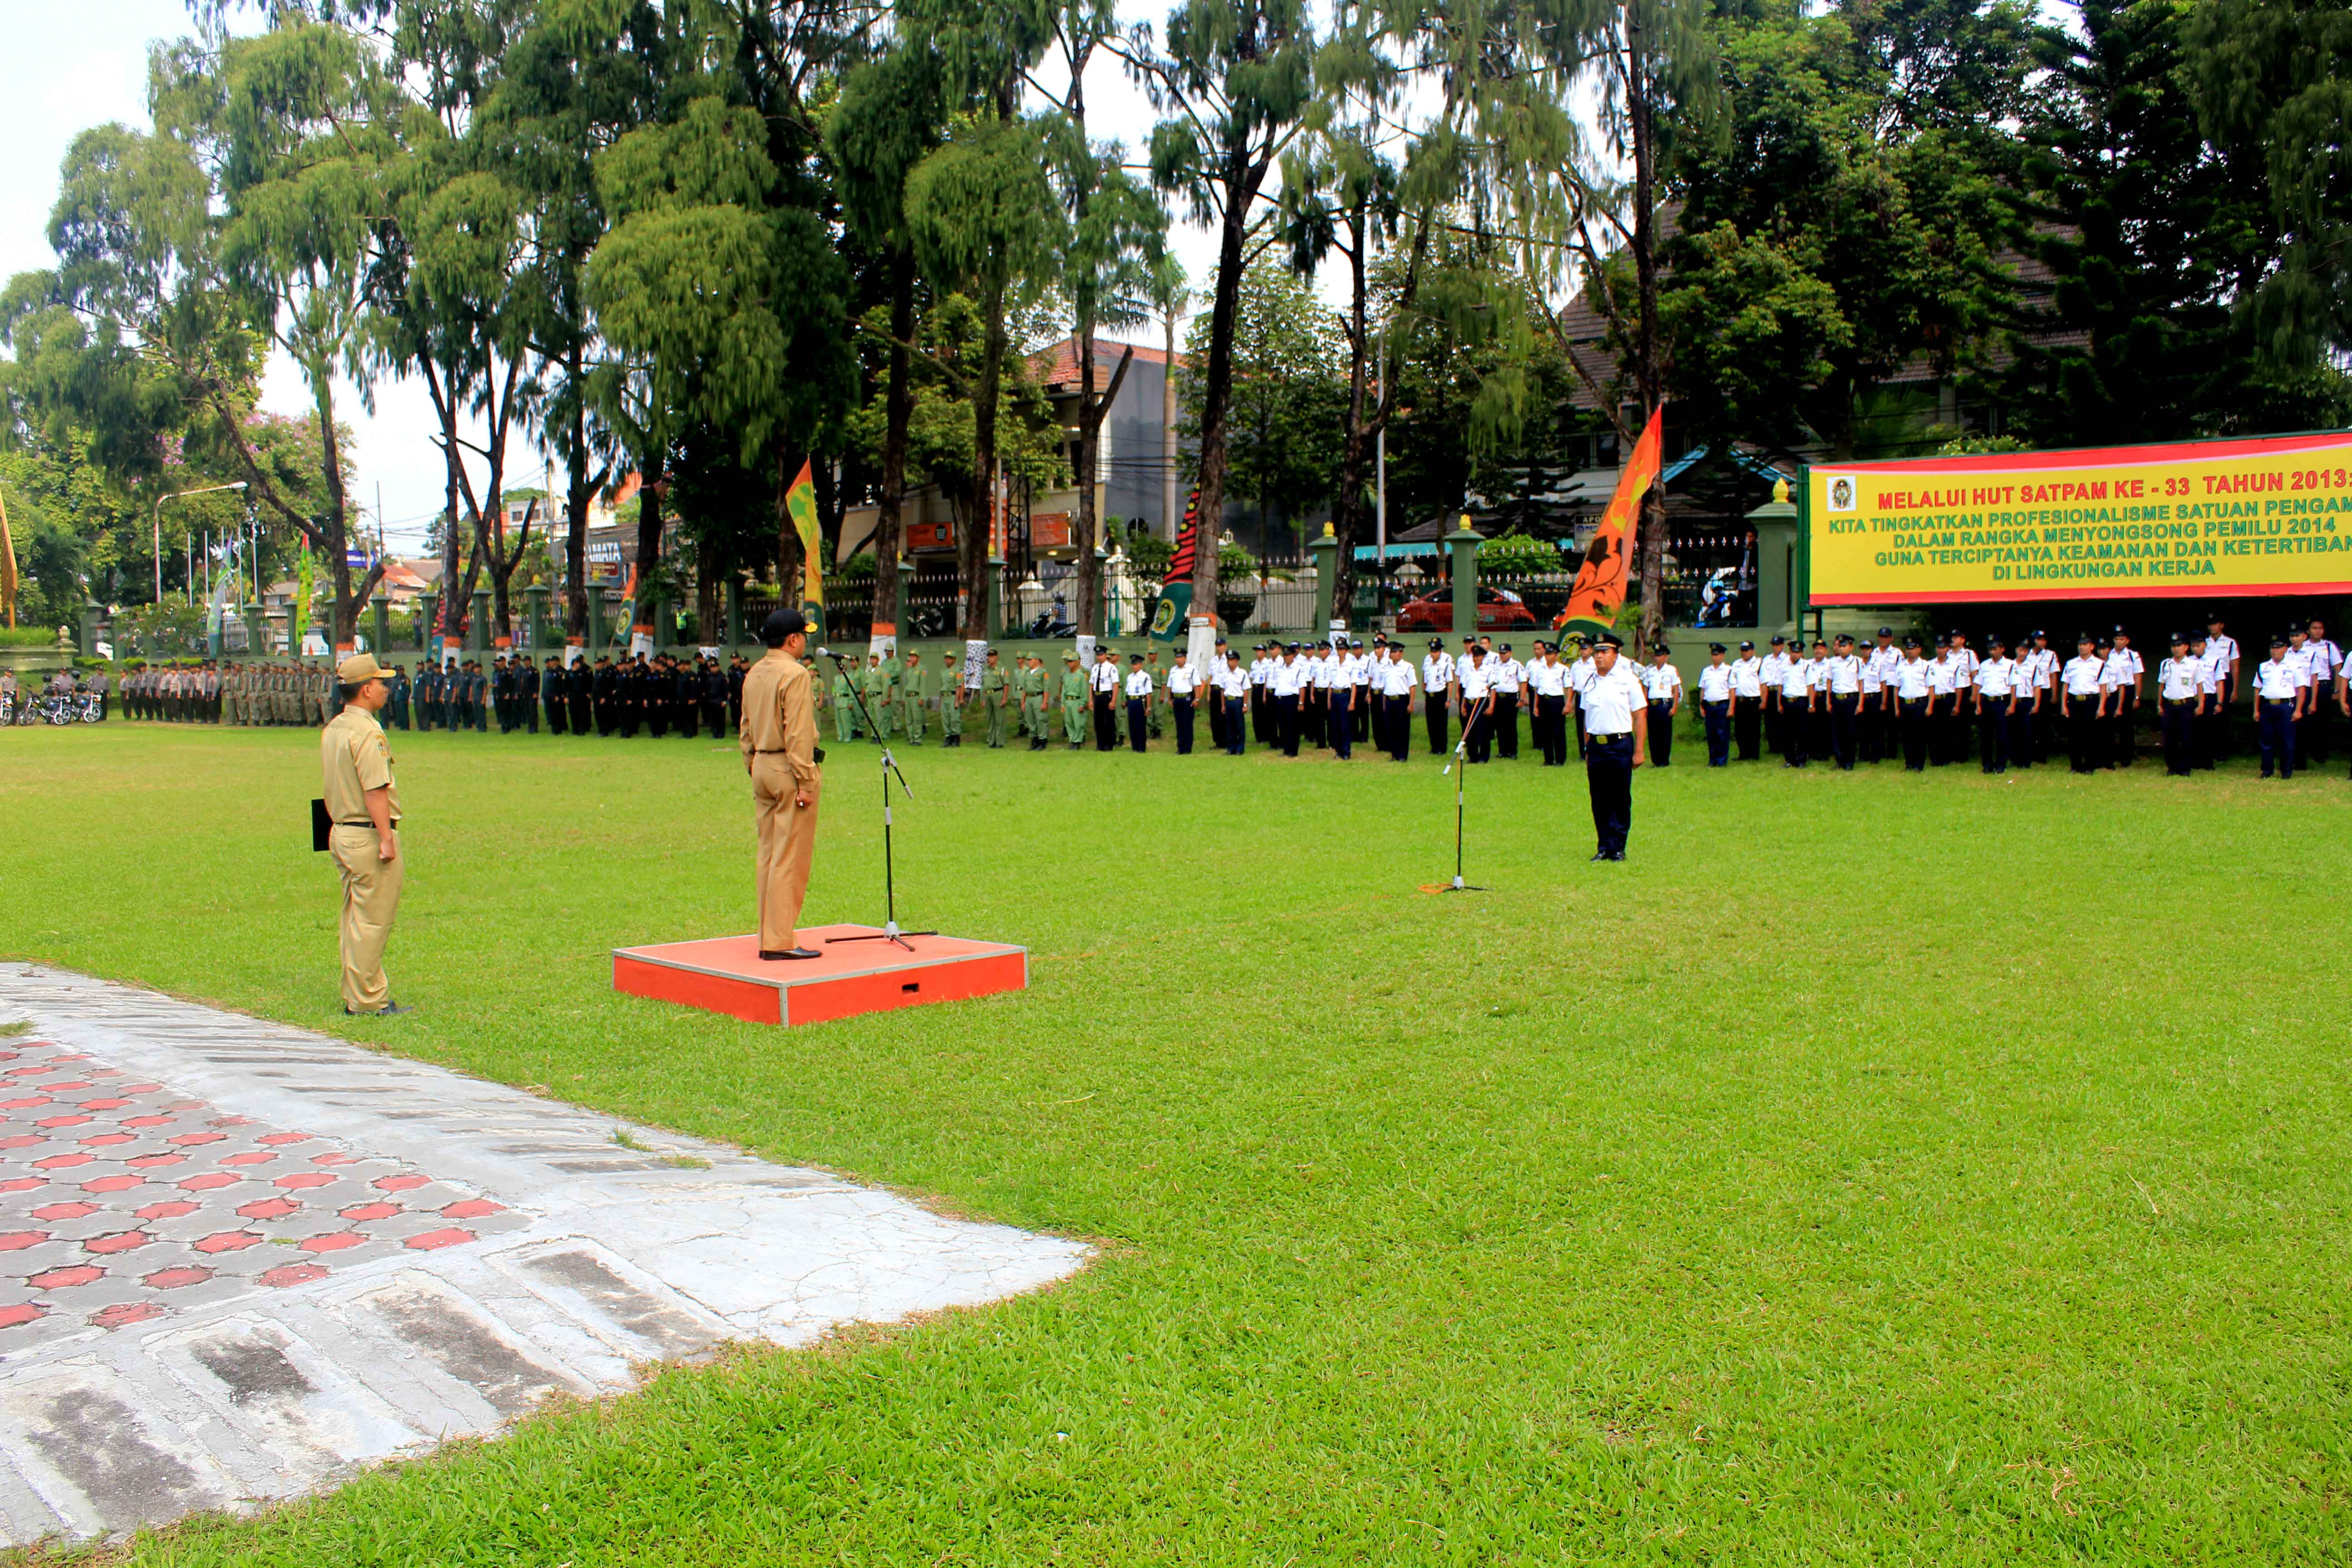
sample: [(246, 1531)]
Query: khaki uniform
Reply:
[(357, 758), (778, 740)]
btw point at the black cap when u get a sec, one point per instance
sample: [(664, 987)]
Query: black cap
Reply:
[(1472, 639), (1910, 642), (1778, 640), (1438, 644), (1845, 640), (1135, 659), (2180, 637), (2040, 633), (1290, 647), (1747, 647), (1660, 651), (780, 623), (2123, 631), (2278, 642), (1609, 639), (1886, 631), (1505, 648), (2084, 636), (1718, 647), (1994, 640)]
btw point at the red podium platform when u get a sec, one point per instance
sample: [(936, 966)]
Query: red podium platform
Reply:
[(727, 975)]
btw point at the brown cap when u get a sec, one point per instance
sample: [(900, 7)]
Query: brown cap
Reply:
[(358, 667)]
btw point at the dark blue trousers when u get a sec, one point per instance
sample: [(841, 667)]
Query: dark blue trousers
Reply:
[(1716, 716), (1609, 779), (2275, 730)]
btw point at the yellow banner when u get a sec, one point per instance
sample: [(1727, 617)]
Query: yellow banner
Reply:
[(2265, 515)]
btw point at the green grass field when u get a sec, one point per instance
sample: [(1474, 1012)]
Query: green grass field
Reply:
[(1876, 1169)]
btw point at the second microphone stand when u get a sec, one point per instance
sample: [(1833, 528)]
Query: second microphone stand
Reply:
[(889, 932)]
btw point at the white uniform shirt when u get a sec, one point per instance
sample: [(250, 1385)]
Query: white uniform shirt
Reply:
[(2327, 660), (1547, 678), (1579, 674), (2223, 647), (1845, 675), (1748, 676), (1235, 682), (1396, 678), (1181, 680), (1610, 700), (1914, 679), (2213, 670), (2084, 676), (1715, 683), (1996, 677), (1772, 670), (2180, 679), (1663, 682), (2278, 680), (1943, 675), (1796, 678), (1437, 670), (1104, 676), (1474, 676), (2120, 667), (1505, 674), (1878, 670), (1138, 683)]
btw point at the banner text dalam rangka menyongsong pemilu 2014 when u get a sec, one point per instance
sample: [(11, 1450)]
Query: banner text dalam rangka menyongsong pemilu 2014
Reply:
[(2269, 514)]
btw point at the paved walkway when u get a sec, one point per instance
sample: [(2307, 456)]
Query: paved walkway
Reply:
[(237, 1259)]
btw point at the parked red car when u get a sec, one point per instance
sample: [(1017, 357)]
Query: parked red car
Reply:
[(1499, 610)]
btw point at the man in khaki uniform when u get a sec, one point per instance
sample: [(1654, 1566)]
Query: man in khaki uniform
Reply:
[(778, 738), (364, 808)]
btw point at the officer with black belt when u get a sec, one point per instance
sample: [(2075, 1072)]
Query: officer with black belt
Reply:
[(1616, 741)]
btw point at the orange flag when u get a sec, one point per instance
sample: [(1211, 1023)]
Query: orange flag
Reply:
[(1601, 580)]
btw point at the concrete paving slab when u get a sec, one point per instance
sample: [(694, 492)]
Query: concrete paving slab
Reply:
[(238, 1260)]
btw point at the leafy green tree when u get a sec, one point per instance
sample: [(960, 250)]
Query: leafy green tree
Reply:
[(2155, 248), (891, 115), (2273, 81), (1234, 80), (1287, 396), (1112, 245)]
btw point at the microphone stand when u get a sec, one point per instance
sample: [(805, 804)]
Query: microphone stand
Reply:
[(1461, 753), (889, 932)]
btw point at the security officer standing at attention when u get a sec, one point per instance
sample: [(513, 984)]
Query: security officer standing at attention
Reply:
[(363, 810), (1103, 681), (1748, 703), (1436, 691), (1715, 705), (778, 740), (1616, 741)]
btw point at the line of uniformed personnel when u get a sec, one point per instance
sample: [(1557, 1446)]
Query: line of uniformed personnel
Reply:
[(242, 692)]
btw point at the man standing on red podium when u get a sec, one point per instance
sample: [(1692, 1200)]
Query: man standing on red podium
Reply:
[(778, 737)]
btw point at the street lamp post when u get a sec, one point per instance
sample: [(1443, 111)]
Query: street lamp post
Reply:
[(158, 525)]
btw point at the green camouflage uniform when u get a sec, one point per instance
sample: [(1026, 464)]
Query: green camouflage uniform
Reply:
[(1074, 706), (951, 689), (992, 683)]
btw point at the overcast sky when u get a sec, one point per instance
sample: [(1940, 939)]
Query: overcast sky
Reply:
[(83, 63)]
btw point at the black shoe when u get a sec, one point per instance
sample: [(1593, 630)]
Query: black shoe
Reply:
[(1599, 855), (1619, 855), (388, 1010), (793, 953)]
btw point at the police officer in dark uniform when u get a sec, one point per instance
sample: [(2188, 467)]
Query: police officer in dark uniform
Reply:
[(579, 686), (607, 688), (735, 672)]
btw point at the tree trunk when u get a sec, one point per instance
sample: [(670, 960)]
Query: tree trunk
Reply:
[(1646, 379), (708, 611), (1217, 376), (578, 491), (1348, 506), (343, 621), (898, 407), (649, 532), (1090, 585), (973, 546)]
